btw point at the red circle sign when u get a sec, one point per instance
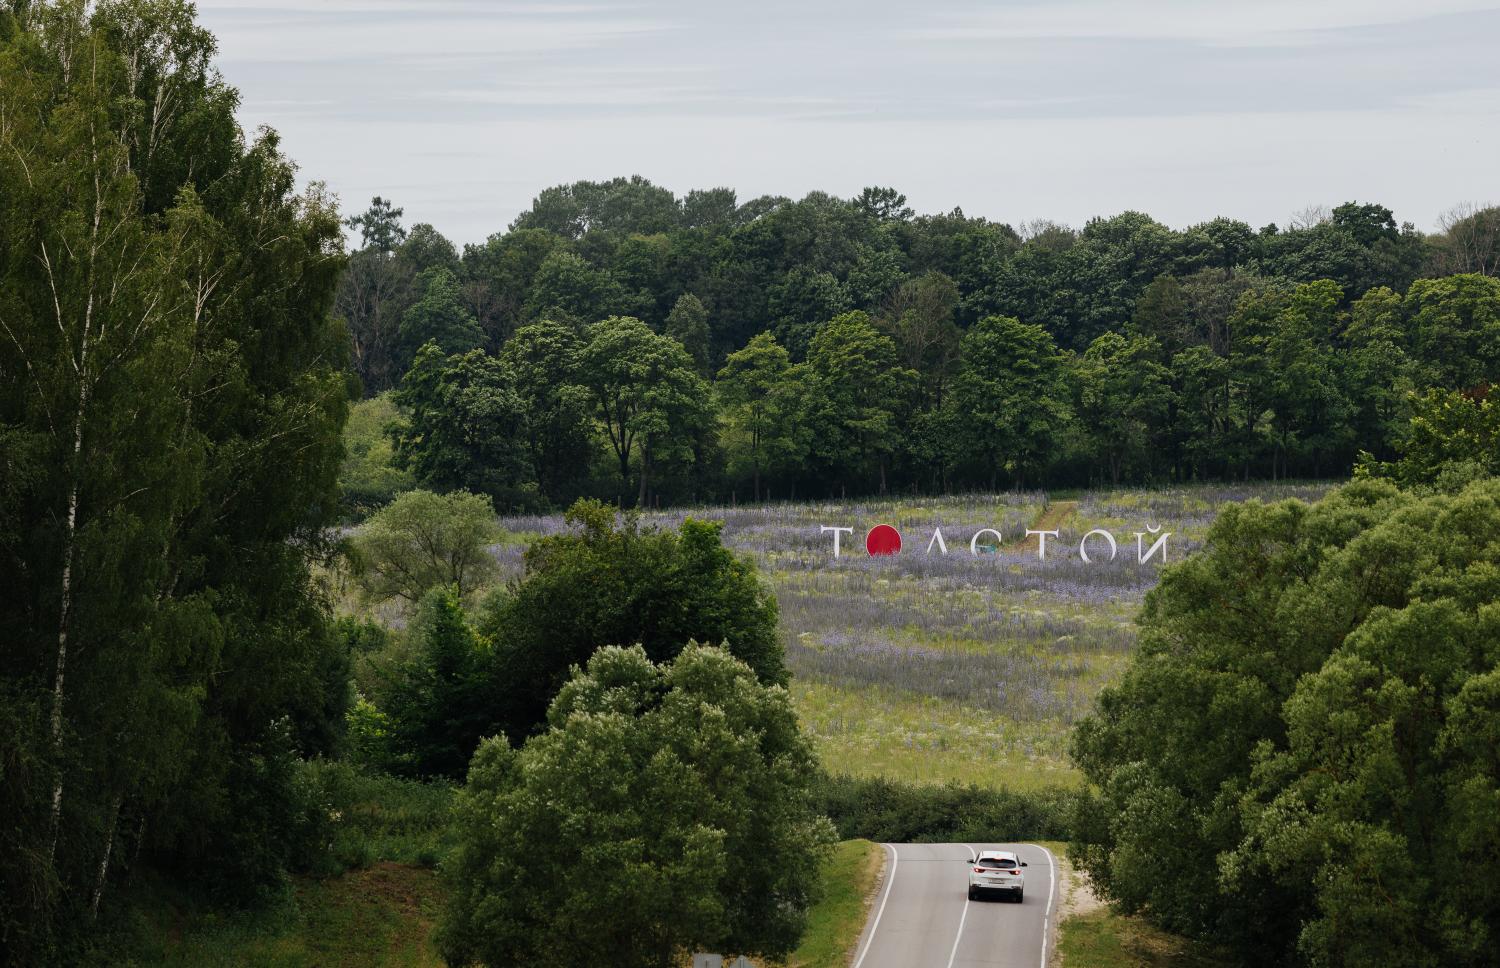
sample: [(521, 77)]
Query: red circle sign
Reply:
[(883, 540)]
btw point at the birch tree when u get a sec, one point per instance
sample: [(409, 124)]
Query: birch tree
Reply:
[(170, 397)]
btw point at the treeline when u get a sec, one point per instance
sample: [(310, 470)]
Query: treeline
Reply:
[(621, 342)]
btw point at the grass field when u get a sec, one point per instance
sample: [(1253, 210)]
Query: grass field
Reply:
[(935, 667)]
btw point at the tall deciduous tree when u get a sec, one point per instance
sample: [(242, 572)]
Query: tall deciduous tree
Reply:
[(171, 392), (646, 393), (556, 407), (860, 393), (762, 396), (1123, 400), (687, 323), (438, 316), (688, 782), (1455, 329), (464, 426), (1009, 400)]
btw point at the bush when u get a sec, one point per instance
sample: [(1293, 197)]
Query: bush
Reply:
[(423, 541), (620, 585), (369, 478), (375, 817), (891, 811)]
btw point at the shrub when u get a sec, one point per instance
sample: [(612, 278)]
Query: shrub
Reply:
[(891, 811)]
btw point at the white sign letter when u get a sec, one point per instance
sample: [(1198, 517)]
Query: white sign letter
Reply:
[(836, 533), (1041, 542), (1083, 551), (937, 539), (1143, 557), (974, 541)]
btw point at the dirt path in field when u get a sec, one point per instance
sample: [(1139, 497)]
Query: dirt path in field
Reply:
[(1052, 518)]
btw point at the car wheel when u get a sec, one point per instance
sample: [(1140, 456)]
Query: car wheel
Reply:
[(1019, 895), (971, 894)]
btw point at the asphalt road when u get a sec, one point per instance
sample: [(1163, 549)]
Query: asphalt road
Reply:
[(922, 917)]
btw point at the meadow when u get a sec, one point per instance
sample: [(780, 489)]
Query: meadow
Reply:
[(936, 667)]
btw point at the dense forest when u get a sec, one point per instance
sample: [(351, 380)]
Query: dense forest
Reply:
[(622, 342)]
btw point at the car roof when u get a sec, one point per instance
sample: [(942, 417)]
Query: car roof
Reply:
[(999, 854)]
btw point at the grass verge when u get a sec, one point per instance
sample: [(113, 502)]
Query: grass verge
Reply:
[(835, 921), (1104, 939), (381, 916)]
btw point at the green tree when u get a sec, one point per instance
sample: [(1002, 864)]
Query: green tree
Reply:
[(1009, 399), (1455, 330), (369, 477), (1310, 711), (374, 291), (567, 286), (1204, 422), (645, 392), (379, 226), (1286, 364), (1377, 370), (800, 303), (1453, 438), (919, 317), (1123, 400), (438, 316), (439, 704), (422, 541), (859, 394), (464, 426), (605, 585), (688, 324), (762, 398), (556, 406), (171, 396), (688, 782), (497, 278)]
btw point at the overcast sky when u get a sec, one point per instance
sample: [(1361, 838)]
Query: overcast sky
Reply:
[(462, 110)]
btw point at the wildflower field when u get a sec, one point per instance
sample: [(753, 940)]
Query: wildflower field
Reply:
[(959, 666)]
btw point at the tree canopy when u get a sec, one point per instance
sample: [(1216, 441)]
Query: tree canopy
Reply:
[(1311, 709), (1280, 351), (172, 387), (608, 583), (687, 781)]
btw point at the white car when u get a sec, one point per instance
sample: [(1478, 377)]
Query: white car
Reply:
[(997, 870)]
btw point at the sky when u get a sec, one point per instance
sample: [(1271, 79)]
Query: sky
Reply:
[(461, 111)]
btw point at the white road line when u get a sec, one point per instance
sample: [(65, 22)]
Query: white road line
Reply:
[(960, 936), (886, 896), (1051, 891)]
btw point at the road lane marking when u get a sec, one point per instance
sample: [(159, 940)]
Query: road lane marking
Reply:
[(960, 936), (973, 859), (886, 896), (1051, 890)]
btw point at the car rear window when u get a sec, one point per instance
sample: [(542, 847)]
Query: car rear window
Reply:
[(997, 863)]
